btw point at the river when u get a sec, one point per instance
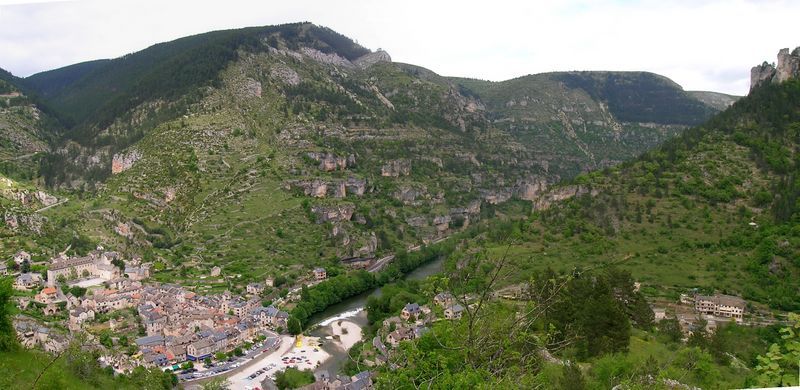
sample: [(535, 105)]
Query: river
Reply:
[(352, 309)]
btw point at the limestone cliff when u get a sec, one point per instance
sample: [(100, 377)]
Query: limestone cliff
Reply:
[(788, 67)]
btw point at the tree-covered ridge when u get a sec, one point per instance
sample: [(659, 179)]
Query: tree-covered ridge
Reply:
[(91, 95), (640, 96), (582, 126)]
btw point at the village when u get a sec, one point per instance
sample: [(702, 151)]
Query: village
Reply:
[(111, 301)]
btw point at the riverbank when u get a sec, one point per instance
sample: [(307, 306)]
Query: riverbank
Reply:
[(304, 352), (341, 288)]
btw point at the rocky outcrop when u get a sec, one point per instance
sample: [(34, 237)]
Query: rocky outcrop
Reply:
[(250, 88), (418, 221), (356, 186), (788, 67), (336, 213), (325, 58), (442, 222), (45, 198), (330, 162), (319, 188), (788, 64), (123, 161), (560, 194), (496, 196), (370, 59), (369, 247), (18, 221), (285, 75), (396, 168), (382, 98), (530, 188), (408, 194)]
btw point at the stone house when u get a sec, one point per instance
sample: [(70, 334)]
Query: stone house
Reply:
[(3, 269), (47, 295), (78, 316), (255, 288), (320, 273), (453, 312), (400, 334), (27, 281), (444, 299), (21, 257), (410, 309), (200, 349)]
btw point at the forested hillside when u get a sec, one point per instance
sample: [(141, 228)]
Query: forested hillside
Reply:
[(714, 210)]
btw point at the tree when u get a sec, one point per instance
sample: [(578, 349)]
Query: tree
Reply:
[(77, 291), (220, 356), (8, 340), (207, 361), (293, 326), (292, 378), (119, 263), (780, 365), (571, 378), (25, 267), (670, 329), (699, 337)]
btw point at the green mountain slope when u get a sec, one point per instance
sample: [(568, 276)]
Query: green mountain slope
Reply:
[(714, 208), (267, 149), (25, 130)]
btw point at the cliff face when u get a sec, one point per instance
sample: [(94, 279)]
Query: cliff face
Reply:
[(788, 67)]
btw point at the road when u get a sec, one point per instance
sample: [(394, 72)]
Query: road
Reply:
[(52, 205), (382, 262), (229, 368)]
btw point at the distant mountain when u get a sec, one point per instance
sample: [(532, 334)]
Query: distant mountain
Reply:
[(590, 120)]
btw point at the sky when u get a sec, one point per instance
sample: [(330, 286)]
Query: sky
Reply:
[(702, 45)]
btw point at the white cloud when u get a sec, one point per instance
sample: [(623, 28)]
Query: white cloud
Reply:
[(708, 45)]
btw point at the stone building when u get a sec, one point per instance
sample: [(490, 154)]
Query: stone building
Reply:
[(721, 305)]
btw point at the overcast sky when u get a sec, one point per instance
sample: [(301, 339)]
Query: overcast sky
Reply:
[(702, 45)]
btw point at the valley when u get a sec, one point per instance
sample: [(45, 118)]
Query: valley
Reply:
[(198, 210)]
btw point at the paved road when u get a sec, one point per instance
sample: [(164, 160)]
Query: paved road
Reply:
[(229, 368), (382, 262)]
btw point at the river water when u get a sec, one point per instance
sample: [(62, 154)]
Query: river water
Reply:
[(352, 309)]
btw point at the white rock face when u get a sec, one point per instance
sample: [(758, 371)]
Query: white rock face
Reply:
[(325, 58), (285, 75), (370, 59)]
